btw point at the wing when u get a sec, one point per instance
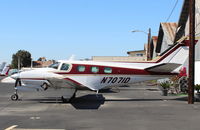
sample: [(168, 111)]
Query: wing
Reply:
[(64, 83), (165, 67)]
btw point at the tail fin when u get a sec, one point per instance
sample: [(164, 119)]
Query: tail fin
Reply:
[(176, 54), (2, 66), (5, 70), (173, 59)]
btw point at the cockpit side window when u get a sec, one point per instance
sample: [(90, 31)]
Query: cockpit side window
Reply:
[(55, 65), (65, 67)]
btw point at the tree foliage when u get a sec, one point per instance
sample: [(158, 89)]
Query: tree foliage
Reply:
[(25, 59)]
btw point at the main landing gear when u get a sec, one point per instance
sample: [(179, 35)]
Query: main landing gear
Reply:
[(15, 96), (68, 100)]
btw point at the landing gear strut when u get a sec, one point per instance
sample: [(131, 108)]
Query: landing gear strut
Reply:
[(15, 96)]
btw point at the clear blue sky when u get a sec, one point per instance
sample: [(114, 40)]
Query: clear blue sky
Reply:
[(57, 29)]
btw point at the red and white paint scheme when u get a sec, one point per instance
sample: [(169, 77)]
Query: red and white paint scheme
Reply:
[(77, 75)]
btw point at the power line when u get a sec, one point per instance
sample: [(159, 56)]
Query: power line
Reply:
[(172, 10)]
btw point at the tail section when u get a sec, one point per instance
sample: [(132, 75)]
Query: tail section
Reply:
[(5, 70), (173, 59), (177, 54), (2, 66)]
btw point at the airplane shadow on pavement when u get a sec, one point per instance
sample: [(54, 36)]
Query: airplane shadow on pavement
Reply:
[(90, 101)]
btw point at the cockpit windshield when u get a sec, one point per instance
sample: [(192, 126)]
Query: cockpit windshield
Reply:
[(55, 65), (65, 67)]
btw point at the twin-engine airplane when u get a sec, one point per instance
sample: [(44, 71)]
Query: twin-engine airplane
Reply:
[(77, 75)]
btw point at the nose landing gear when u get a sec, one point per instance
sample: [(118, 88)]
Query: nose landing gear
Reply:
[(15, 96)]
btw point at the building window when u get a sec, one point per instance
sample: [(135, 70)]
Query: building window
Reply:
[(94, 69), (65, 67), (81, 68), (139, 54), (107, 70)]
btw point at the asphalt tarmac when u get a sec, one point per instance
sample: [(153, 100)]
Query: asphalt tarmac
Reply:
[(138, 107)]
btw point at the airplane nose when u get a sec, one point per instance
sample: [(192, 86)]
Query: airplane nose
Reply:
[(15, 76)]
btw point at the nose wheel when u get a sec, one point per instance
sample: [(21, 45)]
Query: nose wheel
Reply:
[(14, 97)]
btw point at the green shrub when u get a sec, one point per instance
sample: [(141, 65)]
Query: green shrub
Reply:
[(165, 85), (197, 87)]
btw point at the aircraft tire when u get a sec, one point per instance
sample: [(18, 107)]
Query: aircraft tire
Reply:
[(14, 97), (65, 100)]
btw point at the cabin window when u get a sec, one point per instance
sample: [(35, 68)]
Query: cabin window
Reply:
[(55, 65), (107, 70), (94, 69), (81, 68), (64, 67)]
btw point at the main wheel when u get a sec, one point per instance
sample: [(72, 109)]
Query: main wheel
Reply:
[(14, 97), (65, 100)]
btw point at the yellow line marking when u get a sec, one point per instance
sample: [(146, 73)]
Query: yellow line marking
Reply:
[(11, 127)]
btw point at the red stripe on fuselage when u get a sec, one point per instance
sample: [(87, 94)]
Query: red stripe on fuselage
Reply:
[(115, 71)]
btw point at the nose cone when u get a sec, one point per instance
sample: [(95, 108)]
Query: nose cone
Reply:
[(15, 76)]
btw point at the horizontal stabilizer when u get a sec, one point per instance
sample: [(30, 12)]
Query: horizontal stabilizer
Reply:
[(8, 80), (165, 67)]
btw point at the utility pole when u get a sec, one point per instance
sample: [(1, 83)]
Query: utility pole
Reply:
[(148, 42), (149, 46), (191, 52)]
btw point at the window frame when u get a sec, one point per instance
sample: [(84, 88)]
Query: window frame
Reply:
[(139, 54), (81, 66), (69, 69), (94, 67), (108, 72)]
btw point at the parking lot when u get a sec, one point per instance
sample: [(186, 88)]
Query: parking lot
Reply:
[(138, 107)]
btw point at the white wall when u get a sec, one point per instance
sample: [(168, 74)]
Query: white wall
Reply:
[(197, 72), (197, 31)]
